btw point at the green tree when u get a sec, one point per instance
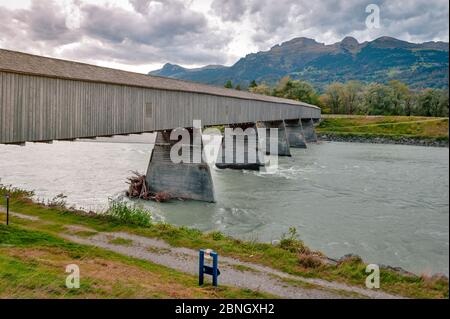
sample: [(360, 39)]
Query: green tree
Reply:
[(296, 90), (333, 97), (430, 102), (379, 99), (253, 84), (351, 96), (262, 88), (402, 98), (229, 84), (444, 103), (238, 87), (354, 97)]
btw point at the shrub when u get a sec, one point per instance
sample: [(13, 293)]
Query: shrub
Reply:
[(350, 259), (15, 193), (217, 235), (292, 243), (59, 201), (127, 214), (309, 261)]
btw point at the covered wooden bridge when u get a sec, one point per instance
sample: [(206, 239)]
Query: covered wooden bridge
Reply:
[(44, 99)]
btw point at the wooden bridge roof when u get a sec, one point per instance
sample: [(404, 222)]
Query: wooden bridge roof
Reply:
[(24, 63)]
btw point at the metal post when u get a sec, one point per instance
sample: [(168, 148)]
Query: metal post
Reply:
[(207, 269), (201, 268), (215, 262), (7, 209)]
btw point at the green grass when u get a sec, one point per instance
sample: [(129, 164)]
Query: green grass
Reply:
[(125, 213), (244, 268), (32, 265), (292, 256), (121, 241), (19, 279), (386, 126)]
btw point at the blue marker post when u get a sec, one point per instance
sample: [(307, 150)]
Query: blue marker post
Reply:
[(209, 270)]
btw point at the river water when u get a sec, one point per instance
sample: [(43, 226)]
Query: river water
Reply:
[(387, 203)]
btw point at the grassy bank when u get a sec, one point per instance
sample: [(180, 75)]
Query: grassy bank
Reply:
[(290, 256), (394, 127), (32, 265), (33, 259)]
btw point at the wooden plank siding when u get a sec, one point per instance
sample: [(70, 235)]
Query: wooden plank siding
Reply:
[(40, 108)]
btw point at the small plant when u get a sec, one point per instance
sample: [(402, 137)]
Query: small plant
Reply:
[(191, 232), (126, 214), (15, 193), (59, 201), (217, 235), (291, 242), (168, 231)]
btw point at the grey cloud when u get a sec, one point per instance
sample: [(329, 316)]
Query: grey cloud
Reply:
[(160, 26), (167, 31), (295, 18), (420, 19), (135, 54), (327, 20), (157, 31), (44, 22), (141, 6), (230, 10)]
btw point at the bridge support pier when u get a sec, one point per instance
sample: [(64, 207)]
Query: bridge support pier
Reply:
[(281, 138), (188, 179), (308, 130), (294, 131), (237, 152)]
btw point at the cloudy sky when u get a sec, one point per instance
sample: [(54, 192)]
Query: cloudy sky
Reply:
[(142, 35)]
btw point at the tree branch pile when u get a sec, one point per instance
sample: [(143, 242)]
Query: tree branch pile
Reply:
[(139, 189)]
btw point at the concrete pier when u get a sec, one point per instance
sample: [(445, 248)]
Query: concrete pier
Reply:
[(188, 179), (308, 130), (281, 138), (236, 152), (294, 131)]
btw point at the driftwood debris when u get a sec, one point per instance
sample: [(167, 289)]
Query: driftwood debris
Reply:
[(139, 189)]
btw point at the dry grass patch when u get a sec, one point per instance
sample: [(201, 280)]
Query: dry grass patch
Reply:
[(100, 278)]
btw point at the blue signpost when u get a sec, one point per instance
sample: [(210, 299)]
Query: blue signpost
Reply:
[(206, 269)]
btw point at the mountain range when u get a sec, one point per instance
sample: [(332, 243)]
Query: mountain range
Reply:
[(420, 65)]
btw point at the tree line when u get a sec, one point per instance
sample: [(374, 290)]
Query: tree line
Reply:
[(354, 97)]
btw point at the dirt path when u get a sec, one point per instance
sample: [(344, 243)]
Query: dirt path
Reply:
[(233, 272)]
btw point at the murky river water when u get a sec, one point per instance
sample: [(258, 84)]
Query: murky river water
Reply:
[(387, 203)]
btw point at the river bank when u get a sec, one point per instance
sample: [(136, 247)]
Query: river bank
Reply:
[(405, 130), (400, 140), (304, 268)]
